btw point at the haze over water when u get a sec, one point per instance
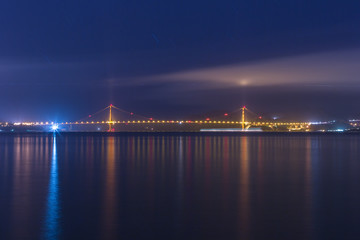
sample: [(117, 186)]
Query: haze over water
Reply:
[(192, 186)]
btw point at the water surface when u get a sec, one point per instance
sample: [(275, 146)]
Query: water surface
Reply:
[(137, 186)]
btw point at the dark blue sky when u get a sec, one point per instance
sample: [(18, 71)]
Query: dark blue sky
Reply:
[(61, 60)]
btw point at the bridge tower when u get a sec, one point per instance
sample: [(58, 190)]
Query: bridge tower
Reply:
[(110, 118), (243, 118)]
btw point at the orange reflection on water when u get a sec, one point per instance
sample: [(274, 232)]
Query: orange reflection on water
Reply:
[(244, 201), (226, 169), (260, 170), (110, 203), (27, 162), (311, 142)]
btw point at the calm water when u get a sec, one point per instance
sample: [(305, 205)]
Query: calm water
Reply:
[(261, 186)]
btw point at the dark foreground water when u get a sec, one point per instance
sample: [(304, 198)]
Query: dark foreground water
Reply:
[(261, 186)]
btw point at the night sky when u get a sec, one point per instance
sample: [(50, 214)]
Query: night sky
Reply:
[(62, 60)]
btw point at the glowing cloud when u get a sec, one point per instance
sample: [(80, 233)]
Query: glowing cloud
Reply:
[(317, 69)]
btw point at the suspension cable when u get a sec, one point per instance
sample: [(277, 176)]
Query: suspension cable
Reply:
[(91, 115), (131, 113)]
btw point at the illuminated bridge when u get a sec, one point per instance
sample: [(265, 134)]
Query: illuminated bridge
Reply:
[(133, 122)]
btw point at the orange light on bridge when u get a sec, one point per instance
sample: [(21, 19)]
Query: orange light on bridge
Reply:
[(226, 114), (207, 119)]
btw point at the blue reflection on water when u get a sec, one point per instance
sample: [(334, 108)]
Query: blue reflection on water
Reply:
[(51, 223)]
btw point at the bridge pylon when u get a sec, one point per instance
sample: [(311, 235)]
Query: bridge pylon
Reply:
[(110, 117), (243, 118)]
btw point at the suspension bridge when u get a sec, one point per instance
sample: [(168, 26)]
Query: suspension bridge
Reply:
[(108, 119)]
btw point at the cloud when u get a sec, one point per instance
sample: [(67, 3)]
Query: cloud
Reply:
[(327, 69), (321, 69)]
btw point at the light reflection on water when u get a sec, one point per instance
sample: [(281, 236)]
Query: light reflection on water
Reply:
[(51, 222), (89, 186), (110, 196)]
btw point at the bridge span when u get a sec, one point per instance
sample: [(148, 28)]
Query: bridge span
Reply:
[(113, 124)]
